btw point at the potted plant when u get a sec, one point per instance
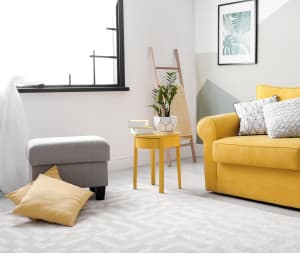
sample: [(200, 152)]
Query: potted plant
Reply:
[(163, 96)]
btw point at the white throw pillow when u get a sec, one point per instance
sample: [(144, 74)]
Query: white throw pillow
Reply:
[(283, 118), (251, 116)]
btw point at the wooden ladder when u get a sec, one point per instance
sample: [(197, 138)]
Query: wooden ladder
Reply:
[(179, 105)]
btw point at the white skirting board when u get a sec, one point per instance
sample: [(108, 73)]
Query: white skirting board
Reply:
[(117, 163)]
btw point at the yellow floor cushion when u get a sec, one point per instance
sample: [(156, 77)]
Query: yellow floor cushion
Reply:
[(16, 196), (53, 200), (258, 151)]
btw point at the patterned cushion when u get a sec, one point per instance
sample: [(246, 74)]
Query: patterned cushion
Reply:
[(283, 118), (251, 116)]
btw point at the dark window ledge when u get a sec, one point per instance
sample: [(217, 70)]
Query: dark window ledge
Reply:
[(70, 89)]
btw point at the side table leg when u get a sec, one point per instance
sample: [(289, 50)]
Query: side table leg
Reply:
[(169, 158), (161, 169), (153, 166), (178, 166), (135, 162)]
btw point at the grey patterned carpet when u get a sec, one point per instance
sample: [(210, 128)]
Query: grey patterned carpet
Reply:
[(189, 220)]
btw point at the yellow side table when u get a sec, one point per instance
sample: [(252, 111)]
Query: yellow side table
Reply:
[(160, 141)]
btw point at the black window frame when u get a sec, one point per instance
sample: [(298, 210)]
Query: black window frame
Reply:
[(120, 57)]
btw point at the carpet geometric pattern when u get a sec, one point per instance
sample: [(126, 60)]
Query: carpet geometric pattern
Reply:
[(189, 220)]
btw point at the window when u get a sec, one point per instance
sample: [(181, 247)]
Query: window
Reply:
[(67, 45)]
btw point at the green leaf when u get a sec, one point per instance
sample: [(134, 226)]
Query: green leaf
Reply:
[(163, 95)]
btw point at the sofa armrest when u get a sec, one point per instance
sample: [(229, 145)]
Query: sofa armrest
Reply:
[(210, 129)]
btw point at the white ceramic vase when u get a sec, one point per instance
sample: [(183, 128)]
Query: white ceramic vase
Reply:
[(165, 124)]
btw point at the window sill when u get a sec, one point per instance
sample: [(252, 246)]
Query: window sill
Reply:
[(70, 89)]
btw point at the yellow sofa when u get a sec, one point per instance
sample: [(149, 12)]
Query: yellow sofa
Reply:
[(253, 167)]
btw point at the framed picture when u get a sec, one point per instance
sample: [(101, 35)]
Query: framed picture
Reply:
[(237, 33)]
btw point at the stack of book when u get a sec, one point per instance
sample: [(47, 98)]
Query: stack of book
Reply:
[(140, 127)]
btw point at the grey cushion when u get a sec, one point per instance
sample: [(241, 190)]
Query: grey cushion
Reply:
[(283, 118), (62, 150)]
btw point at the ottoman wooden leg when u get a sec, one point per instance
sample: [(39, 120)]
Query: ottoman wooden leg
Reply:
[(99, 192)]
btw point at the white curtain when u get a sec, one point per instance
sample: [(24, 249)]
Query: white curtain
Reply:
[(14, 168)]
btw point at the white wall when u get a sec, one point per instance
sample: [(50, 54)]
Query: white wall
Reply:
[(206, 20), (147, 23), (278, 49)]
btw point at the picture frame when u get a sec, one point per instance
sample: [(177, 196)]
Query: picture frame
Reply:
[(237, 33)]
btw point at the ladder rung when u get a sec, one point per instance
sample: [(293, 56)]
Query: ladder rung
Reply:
[(175, 68), (186, 136), (185, 144)]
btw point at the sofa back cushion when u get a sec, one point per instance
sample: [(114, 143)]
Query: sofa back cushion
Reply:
[(251, 116), (282, 93), (283, 118)]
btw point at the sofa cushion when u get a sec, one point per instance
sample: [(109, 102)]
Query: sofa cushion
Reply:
[(282, 93), (251, 116), (283, 118), (65, 150), (258, 151)]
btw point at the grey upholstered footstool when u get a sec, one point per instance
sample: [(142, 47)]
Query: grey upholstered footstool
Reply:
[(81, 160)]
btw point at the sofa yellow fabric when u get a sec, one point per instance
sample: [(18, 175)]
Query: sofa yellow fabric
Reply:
[(276, 186), (258, 150), (253, 167), (16, 196), (53, 200), (210, 129), (283, 93)]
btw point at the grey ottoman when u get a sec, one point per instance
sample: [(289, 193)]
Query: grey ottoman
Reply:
[(81, 160)]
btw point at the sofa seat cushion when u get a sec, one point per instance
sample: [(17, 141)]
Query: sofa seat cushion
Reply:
[(258, 151), (65, 150)]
